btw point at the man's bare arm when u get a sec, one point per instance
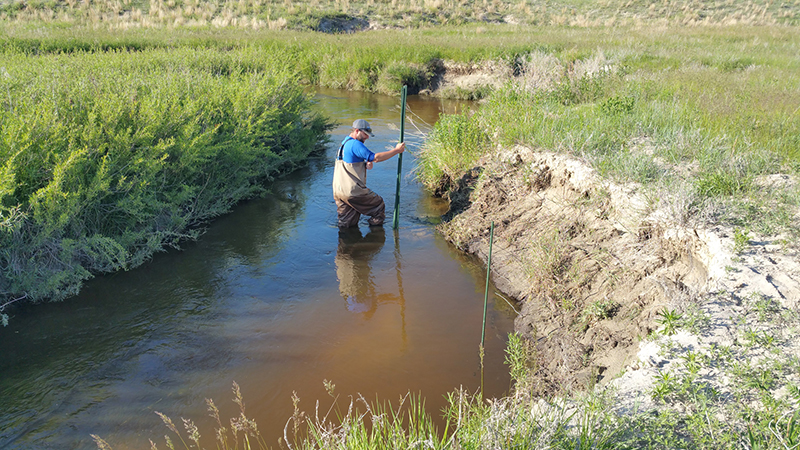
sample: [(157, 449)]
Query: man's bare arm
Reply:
[(383, 156)]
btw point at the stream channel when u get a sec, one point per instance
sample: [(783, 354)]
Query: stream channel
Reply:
[(273, 297)]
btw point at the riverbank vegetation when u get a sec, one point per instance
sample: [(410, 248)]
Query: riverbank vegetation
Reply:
[(110, 157), (644, 105)]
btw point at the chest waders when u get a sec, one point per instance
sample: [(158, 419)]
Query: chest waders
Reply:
[(351, 194)]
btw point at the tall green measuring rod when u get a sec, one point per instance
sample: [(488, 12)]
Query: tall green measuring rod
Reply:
[(396, 215)]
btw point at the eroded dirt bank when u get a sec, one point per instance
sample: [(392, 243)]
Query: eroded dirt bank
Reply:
[(588, 262)]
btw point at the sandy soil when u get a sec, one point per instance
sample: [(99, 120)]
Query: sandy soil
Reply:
[(591, 264), (729, 300)]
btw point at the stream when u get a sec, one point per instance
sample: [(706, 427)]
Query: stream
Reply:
[(272, 296)]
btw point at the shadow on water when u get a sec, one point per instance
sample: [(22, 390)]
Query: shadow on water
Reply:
[(272, 296)]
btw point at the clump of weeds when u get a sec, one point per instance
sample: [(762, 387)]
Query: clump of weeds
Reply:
[(670, 321)]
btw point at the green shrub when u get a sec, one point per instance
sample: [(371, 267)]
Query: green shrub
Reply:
[(452, 148), (397, 74), (108, 158), (617, 105)]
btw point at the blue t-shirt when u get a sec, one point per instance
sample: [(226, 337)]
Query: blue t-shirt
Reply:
[(355, 151)]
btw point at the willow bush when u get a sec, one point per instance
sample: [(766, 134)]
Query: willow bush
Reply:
[(106, 158)]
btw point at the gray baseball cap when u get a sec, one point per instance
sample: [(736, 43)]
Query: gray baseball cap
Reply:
[(363, 125)]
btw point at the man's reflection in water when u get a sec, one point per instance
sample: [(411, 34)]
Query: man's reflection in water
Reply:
[(353, 257)]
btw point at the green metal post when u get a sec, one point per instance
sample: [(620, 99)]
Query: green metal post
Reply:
[(396, 215), (481, 349), (486, 292)]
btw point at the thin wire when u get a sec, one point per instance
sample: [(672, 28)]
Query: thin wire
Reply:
[(507, 301)]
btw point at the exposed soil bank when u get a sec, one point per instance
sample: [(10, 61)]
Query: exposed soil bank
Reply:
[(587, 260), (463, 80)]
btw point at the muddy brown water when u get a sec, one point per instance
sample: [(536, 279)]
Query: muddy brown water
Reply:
[(273, 297)]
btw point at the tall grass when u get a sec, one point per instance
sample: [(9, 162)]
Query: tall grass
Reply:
[(107, 158), (452, 149), (367, 425)]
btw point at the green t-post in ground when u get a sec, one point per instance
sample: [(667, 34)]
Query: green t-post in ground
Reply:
[(396, 215), (481, 349)]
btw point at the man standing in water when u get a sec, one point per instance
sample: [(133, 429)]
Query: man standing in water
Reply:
[(350, 191)]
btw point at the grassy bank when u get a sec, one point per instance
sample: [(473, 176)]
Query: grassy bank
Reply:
[(379, 61), (383, 60), (110, 157), (705, 119)]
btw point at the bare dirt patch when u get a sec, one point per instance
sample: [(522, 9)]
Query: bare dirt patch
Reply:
[(589, 264), (747, 318), (460, 80), (534, 71)]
